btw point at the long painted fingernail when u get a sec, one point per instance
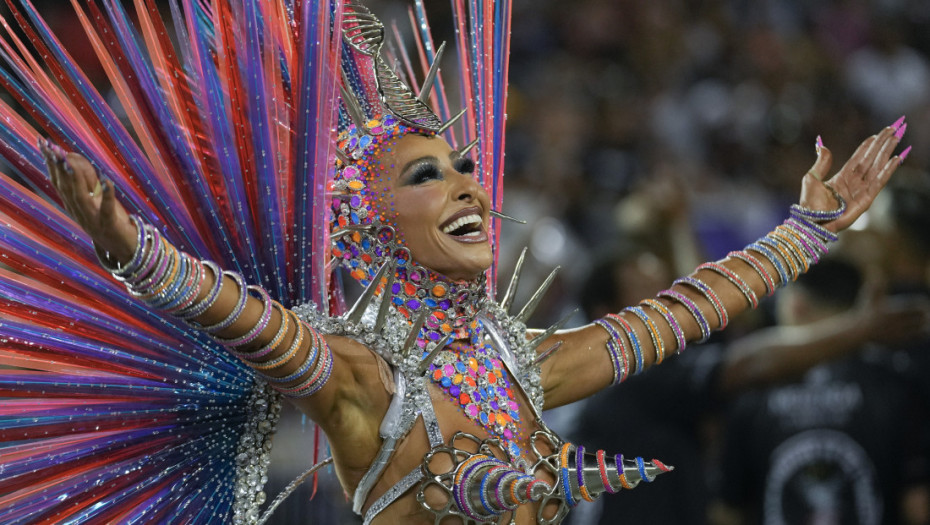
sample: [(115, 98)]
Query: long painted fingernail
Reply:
[(818, 145), (905, 153), (67, 166), (897, 123), (900, 133)]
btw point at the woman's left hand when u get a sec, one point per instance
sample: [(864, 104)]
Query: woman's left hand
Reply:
[(858, 181)]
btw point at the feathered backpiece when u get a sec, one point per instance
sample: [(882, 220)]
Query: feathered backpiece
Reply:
[(218, 128)]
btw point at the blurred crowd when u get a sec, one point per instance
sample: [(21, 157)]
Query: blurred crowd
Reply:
[(647, 136)]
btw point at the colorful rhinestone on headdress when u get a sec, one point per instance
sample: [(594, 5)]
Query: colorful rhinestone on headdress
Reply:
[(363, 241)]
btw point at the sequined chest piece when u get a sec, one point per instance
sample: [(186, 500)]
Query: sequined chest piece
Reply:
[(476, 380)]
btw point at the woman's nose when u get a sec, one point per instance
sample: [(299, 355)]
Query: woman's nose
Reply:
[(467, 188)]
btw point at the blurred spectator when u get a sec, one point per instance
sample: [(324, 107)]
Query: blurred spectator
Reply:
[(834, 445)]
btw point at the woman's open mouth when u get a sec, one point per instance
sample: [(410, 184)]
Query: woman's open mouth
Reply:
[(465, 226)]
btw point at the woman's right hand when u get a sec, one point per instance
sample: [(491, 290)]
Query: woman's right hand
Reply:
[(92, 203)]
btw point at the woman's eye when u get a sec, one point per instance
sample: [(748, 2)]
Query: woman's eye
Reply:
[(425, 172), (464, 165)]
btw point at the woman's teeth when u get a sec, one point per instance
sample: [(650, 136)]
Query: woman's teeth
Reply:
[(463, 221)]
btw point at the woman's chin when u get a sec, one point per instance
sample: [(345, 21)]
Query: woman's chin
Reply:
[(467, 265)]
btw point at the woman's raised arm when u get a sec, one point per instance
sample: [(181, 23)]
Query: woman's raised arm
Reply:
[(315, 371), (610, 349)]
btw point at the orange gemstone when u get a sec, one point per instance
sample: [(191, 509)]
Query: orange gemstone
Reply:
[(492, 378), (446, 328), (470, 381), (356, 185), (491, 418), (356, 236), (473, 363), (410, 289), (456, 379), (439, 291), (464, 399), (437, 375)]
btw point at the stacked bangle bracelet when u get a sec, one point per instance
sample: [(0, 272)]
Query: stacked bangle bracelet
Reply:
[(171, 281)]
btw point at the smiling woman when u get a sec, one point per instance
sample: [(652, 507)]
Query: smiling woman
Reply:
[(429, 389), (440, 210)]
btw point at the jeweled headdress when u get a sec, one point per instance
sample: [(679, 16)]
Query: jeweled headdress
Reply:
[(377, 109)]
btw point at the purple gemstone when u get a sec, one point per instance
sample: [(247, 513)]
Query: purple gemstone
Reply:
[(494, 405), (455, 390), (355, 201), (413, 304), (395, 288), (445, 304)]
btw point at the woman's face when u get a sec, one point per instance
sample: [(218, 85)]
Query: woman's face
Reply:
[(440, 211)]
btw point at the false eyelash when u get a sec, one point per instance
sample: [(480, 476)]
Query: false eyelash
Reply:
[(424, 172), (464, 165)]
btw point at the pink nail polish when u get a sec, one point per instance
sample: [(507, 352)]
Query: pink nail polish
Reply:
[(819, 144), (905, 153), (899, 134), (897, 123)]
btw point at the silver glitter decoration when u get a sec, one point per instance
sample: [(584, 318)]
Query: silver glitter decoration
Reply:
[(253, 456)]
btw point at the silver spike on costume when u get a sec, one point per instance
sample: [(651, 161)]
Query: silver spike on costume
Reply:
[(354, 316), (352, 108), (384, 307), (535, 342), (411, 342), (431, 76), (507, 301), (584, 470), (470, 146), (546, 354), (451, 122), (499, 215), (424, 366), (531, 305), (342, 156)]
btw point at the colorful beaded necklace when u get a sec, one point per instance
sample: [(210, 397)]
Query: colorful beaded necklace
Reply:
[(474, 378)]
